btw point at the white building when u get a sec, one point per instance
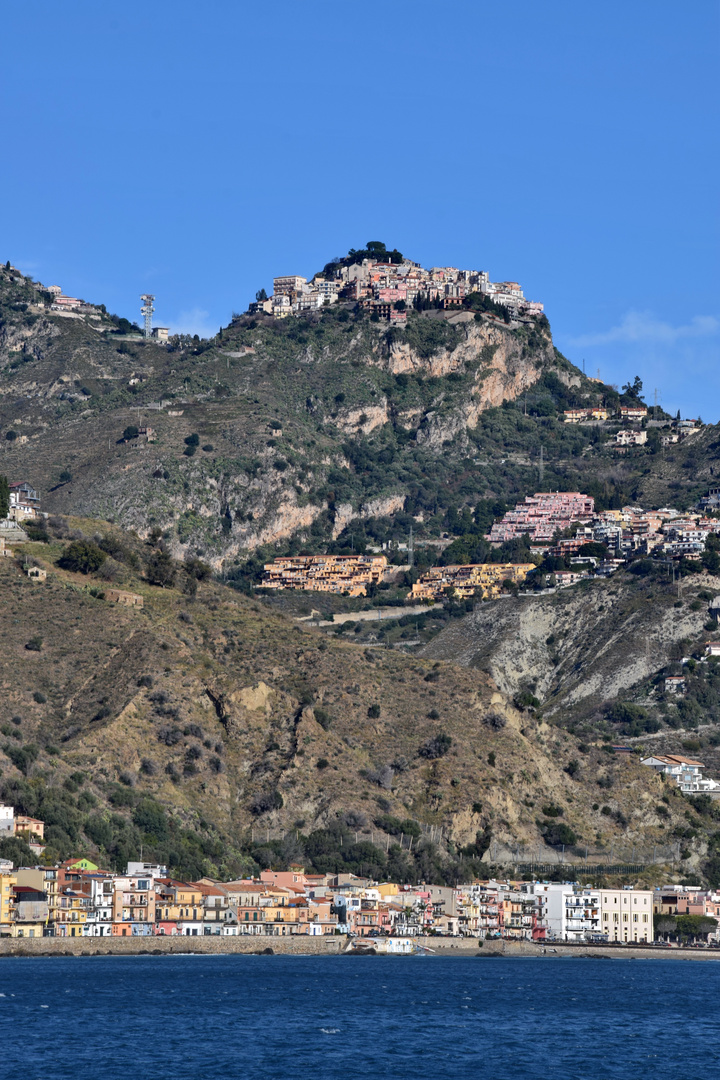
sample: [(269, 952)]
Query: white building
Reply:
[(569, 912), (631, 438), (7, 820), (686, 772), (99, 918), (627, 914)]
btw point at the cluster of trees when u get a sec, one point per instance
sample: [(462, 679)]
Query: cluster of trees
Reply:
[(76, 820), (684, 928), (336, 849), (85, 556)]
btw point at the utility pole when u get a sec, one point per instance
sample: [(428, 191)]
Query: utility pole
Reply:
[(411, 552)]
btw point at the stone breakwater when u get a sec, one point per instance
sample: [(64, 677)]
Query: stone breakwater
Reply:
[(166, 946), (495, 948)]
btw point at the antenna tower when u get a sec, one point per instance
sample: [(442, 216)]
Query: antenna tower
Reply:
[(147, 312)]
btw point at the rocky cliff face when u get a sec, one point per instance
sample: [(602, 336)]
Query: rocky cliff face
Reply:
[(576, 648)]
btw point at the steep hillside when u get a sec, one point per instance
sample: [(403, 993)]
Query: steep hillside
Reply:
[(308, 431), (576, 649), (205, 728)]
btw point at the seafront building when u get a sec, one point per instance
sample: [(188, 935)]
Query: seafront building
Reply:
[(78, 899)]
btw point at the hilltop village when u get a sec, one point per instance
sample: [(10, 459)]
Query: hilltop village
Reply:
[(387, 284)]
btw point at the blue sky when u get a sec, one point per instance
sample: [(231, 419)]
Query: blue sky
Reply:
[(196, 150)]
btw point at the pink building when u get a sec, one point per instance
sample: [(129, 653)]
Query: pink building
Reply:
[(542, 515)]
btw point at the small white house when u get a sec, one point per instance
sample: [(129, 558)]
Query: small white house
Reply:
[(686, 772)]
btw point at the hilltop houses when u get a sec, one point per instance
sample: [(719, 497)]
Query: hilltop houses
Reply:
[(387, 288)]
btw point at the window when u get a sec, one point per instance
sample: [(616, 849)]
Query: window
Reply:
[(635, 918)]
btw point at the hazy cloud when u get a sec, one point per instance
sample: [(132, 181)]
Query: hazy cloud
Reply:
[(194, 321), (643, 326)]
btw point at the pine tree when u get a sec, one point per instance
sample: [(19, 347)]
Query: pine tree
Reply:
[(4, 497)]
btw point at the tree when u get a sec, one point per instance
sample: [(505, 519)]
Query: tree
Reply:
[(82, 557), (695, 926), (160, 569), (130, 432), (261, 296), (633, 389), (4, 497)]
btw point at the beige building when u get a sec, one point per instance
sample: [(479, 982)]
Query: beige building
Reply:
[(288, 285), (627, 914)]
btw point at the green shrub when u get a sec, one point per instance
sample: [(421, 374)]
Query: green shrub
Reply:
[(82, 557), (436, 747), (557, 834)]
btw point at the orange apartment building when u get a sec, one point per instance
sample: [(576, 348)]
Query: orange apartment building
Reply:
[(463, 581), (349, 574)]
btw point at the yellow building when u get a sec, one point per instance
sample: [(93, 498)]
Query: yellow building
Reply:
[(71, 914), (8, 881), (387, 889), (473, 579)]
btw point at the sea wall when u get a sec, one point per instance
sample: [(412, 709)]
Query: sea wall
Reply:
[(300, 945), (135, 946)]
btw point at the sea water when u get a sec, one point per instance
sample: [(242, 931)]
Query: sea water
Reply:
[(327, 1018)]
